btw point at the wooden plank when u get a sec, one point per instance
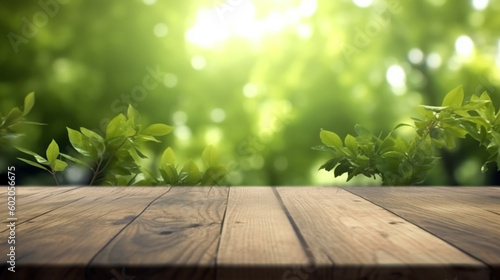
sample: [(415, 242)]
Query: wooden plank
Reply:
[(29, 191), (350, 238), (62, 242), (258, 241), (42, 192), (27, 201), (449, 213), (175, 238), (486, 198)]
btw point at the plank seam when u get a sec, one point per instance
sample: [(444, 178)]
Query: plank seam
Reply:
[(490, 268), (123, 228), (220, 236), (305, 247)]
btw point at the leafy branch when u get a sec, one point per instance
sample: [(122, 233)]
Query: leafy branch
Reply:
[(115, 158), (398, 161), (15, 117)]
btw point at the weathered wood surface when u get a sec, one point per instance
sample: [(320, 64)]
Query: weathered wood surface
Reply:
[(466, 217), (254, 233)]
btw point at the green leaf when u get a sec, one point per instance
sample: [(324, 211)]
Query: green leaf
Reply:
[(32, 163), (323, 148), (351, 144), (38, 157), (75, 160), (91, 134), (133, 116), (436, 109), (213, 175), (210, 156), (169, 174), (454, 98), (52, 153), (193, 173), (330, 139), (157, 129), (59, 165), (342, 168), (330, 164), (29, 101), (168, 157), (361, 131), (146, 138), (81, 143), (13, 117), (118, 127), (404, 124)]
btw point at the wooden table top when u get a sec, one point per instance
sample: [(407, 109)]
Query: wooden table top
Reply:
[(227, 233)]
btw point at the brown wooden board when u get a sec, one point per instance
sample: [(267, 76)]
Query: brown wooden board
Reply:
[(453, 214), (60, 243), (351, 238), (258, 241), (175, 238), (28, 200)]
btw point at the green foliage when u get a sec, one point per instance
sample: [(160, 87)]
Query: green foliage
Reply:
[(115, 158), (406, 162), (51, 163), (190, 174), (15, 117)]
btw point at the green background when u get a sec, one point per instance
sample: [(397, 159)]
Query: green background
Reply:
[(256, 79)]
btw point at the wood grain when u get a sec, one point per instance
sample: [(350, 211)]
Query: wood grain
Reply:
[(351, 238), (258, 241), (175, 238), (71, 235), (453, 214), (264, 233), (28, 201)]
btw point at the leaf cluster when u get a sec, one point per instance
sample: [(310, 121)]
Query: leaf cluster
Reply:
[(15, 117), (115, 158), (398, 161)]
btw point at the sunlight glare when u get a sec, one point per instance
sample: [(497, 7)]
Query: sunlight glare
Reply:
[(216, 25), (464, 46), (363, 3), (480, 4), (396, 77)]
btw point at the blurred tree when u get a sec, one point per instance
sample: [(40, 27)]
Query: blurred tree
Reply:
[(257, 79)]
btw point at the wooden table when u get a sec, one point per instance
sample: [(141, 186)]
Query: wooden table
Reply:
[(298, 233)]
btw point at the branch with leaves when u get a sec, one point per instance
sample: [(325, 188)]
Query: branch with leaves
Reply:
[(115, 158), (15, 118), (398, 161)]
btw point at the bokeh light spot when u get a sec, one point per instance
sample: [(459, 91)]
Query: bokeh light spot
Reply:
[(160, 30), (180, 117), (415, 56), (218, 115), (182, 132), (198, 62), (396, 76), (464, 46), (250, 90), (213, 135), (170, 80), (434, 60)]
